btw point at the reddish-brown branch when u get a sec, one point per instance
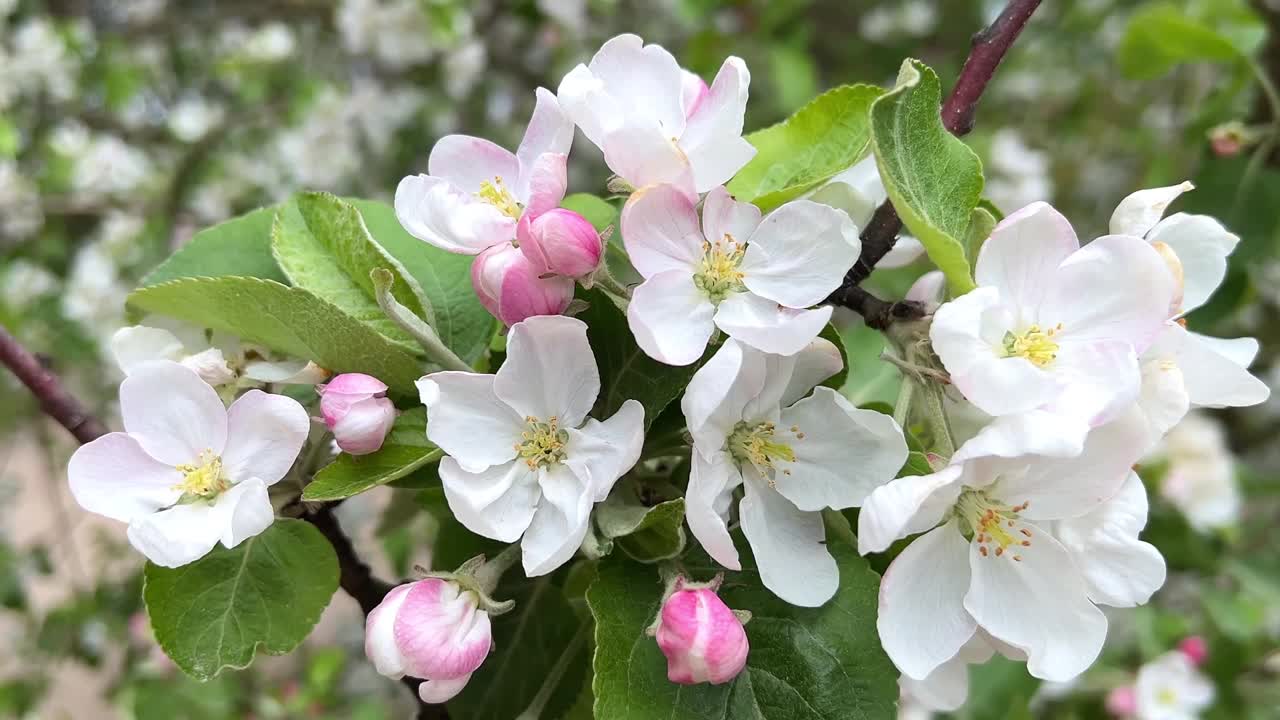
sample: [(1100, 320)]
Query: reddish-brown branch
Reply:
[(54, 399), (986, 51)]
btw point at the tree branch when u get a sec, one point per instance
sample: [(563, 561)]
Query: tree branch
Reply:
[(55, 400), (986, 51)]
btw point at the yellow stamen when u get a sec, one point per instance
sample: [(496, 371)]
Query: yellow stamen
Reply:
[(543, 444), (718, 275), (497, 195), (990, 522), (755, 444), (205, 479), (1033, 344)]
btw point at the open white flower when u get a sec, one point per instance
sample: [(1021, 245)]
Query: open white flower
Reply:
[(1201, 476), (475, 192), (988, 558), (523, 457), (657, 123), (1054, 326), (754, 279), (1172, 688), (755, 422), (219, 360), (188, 472)]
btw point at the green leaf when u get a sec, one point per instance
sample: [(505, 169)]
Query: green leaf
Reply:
[(917, 464), (805, 663), (626, 372), (445, 278), (997, 687), (981, 223), (933, 179), (648, 534), (240, 246), (404, 451), (832, 335), (1160, 36), (267, 592), (323, 246), (822, 138), (870, 378), (285, 319), (599, 212)]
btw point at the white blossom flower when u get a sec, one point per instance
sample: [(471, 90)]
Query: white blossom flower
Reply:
[(396, 33), (476, 192), (273, 42), (652, 120), (193, 117), (1201, 476), (20, 212), (988, 558), (1053, 326), (754, 279), (1172, 688), (755, 423), (188, 472), (110, 166), (219, 359), (1016, 174), (24, 282), (523, 457)]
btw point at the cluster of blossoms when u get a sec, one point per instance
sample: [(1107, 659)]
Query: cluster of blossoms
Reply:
[(1170, 686)]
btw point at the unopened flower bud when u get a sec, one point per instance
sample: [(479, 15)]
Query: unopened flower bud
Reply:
[(1228, 139), (560, 242), (430, 629), (510, 286), (1195, 648), (1122, 701), (357, 411), (702, 638)]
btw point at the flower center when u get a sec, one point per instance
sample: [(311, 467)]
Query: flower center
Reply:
[(756, 444), (991, 523), (1167, 696), (496, 194), (718, 275), (542, 445), (1033, 344), (204, 480)]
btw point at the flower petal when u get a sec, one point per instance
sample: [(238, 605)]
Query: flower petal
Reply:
[(560, 523), (550, 370), (1038, 604), (435, 692), (818, 361), (114, 477), (172, 413), (644, 155), (1139, 212), (244, 511), (265, 433), (497, 502), (177, 536), (842, 453), (544, 183), (789, 545), (767, 326), (718, 393), (601, 452), (587, 102), (1022, 255), (712, 480), (139, 344), (1202, 245), (800, 253), (906, 506), (1213, 374), (380, 634), (434, 211), (660, 231), (713, 137), (1120, 570), (468, 421), (922, 620), (466, 162), (550, 131), (440, 631), (646, 79), (1036, 432), (722, 217), (1101, 379), (671, 318)]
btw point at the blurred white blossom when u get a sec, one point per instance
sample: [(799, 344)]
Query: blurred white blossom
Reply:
[(1201, 477), (1017, 175), (23, 282), (20, 213), (193, 117), (39, 60), (395, 32)]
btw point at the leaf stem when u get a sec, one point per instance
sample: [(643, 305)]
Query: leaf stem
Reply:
[(435, 348)]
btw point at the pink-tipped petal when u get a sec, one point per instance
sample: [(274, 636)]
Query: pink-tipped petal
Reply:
[(702, 638)]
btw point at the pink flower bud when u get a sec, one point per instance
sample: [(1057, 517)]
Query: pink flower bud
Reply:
[(430, 629), (560, 242), (509, 286), (1196, 648), (702, 638), (357, 411), (1122, 701)]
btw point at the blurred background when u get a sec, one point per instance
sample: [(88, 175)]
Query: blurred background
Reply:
[(127, 125)]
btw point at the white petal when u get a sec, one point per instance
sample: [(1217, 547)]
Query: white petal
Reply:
[(550, 370), (544, 184), (944, 690), (644, 155), (244, 511), (818, 361), (906, 506), (560, 523), (443, 690), (587, 102), (671, 318), (113, 476), (550, 131), (467, 161), (436, 212), (1202, 245), (1100, 379), (288, 372), (602, 452), (380, 634), (497, 503), (718, 393), (177, 536), (172, 413), (1039, 605), (789, 545), (769, 327), (1036, 432), (906, 251), (660, 231), (468, 421), (1140, 211), (133, 346), (1120, 569), (712, 480), (645, 77), (1163, 398), (1022, 255), (800, 253), (722, 217), (1215, 379), (265, 433), (718, 159), (845, 453), (922, 620), (930, 288), (1240, 351), (713, 138)]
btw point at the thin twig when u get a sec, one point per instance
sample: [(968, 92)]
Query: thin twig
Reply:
[(986, 51), (55, 400)]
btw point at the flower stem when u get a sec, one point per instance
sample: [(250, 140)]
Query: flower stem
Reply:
[(435, 348), (534, 711), (490, 574)]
